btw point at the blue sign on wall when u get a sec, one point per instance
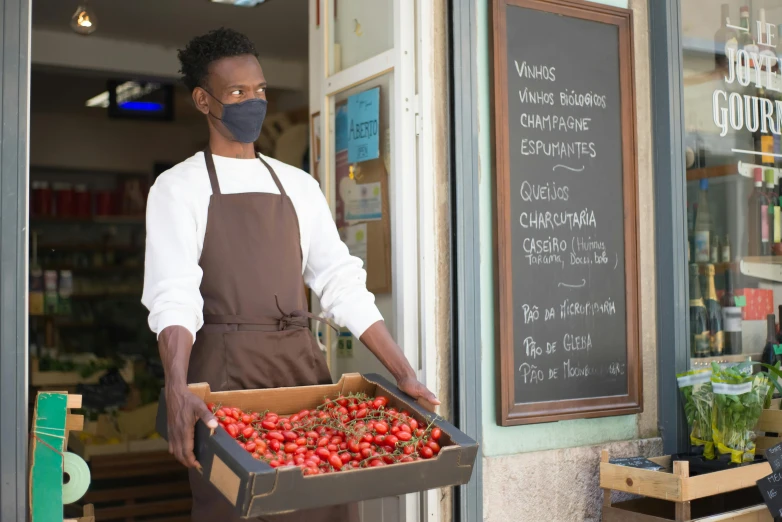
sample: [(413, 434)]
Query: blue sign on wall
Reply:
[(364, 126)]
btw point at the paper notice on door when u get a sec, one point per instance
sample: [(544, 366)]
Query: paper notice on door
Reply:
[(364, 203), (355, 237)]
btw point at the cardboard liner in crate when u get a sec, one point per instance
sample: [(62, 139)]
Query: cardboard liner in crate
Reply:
[(257, 489)]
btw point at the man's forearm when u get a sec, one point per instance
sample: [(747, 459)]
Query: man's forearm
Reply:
[(175, 344), (379, 341)]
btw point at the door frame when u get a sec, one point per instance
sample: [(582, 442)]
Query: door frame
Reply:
[(14, 157), (670, 200), (401, 61)]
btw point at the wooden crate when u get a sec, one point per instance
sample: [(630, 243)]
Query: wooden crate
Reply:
[(152, 487), (88, 515), (670, 493), (770, 422)]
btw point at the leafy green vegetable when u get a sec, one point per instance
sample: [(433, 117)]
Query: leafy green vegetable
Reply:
[(695, 387), (738, 402)]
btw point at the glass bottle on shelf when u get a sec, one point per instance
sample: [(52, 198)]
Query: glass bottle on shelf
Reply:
[(776, 247), (714, 315), (715, 249), (699, 328), (703, 224), (726, 249), (758, 218), (732, 321), (771, 195), (721, 38), (746, 41), (769, 355)]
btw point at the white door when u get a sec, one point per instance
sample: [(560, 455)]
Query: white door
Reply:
[(357, 46)]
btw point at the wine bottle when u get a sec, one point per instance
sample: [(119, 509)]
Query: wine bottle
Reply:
[(771, 195), (732, 321), (703, 224), (714, 315), (699, 325), (721, 38), (769, 355), (726, 250), (758, 218)]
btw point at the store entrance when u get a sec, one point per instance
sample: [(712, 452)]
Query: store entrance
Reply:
[(107, 117)]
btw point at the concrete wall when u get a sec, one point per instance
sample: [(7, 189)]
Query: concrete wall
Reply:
[(529, 471)]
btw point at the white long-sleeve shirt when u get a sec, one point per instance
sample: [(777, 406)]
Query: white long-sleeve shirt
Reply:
[(177, 211)]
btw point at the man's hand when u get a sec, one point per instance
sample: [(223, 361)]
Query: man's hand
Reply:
[(418, 391), (184, 409)]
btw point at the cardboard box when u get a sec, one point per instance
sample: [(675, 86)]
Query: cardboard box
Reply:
[(257, 489)]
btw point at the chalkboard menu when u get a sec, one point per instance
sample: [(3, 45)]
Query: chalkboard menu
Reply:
[(566, 216)]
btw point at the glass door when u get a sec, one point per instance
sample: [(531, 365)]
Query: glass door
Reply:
[(362, 95)]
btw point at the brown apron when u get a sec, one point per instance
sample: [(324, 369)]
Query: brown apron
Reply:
[(255, 332)]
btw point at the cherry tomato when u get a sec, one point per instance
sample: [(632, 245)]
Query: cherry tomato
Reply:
[(379, 402), (323, 441), (391, 440), (233, 431), (276, 435), (290, 447), (248, 432), (413, 424), (247, 419), (274, 445), (406, 428), (436, 433), (323, 453), (269, 425), (404, 436), (345, 457), (301, 441), (333, 447), (406, 459), (366, 452), (381, 427), (426, 452), (376, 463), (250, 446), (367, 437), (335, 461), (274, 463), (408, 450), (433, 446)]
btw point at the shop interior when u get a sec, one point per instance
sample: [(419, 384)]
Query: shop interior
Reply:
[(733, 172), (108, 116)]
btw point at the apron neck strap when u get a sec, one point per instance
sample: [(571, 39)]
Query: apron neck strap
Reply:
[(274, 176), (210, 168)]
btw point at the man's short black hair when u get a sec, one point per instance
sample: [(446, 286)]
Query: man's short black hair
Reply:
[(196, 57)]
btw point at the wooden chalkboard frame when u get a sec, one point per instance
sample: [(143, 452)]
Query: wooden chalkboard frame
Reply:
[(509, 412)]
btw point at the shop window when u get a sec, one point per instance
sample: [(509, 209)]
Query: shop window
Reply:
[(733, 122)]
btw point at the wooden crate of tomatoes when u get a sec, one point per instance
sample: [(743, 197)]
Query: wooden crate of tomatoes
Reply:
[(286, 449)]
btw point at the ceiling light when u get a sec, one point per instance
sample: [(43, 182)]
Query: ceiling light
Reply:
[(84, 20), (240, 3)]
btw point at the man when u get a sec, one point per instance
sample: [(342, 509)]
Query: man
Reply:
[(232, 237)]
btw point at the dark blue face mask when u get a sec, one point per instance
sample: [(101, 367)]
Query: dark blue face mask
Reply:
[(244, 119)]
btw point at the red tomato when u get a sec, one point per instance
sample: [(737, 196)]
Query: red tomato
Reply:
[(379, 402), (413, 424), (261, 446), (404, 436), (342, 401), (426, 452), (220, 413), (408, 450), (274, 445), (380, 439), (395, 429), (276, 435), (360, 414), (274, 463), (247, 432), (323, 453), (333, 447), (335, 461), (363, 445), (353, 446), (368, 437), (375, 463), (290, 447), (250, 446), (381, 427), (269, 425), (407, 459), (301, 450), (323, 441), (433, 446), (303, 413), (366, 452), (236, 413), (311, 435), (241, 426), (406, 428), (436, 433), (247, 419), (301, 441), (345, 457), (391, 440), (233, 431)]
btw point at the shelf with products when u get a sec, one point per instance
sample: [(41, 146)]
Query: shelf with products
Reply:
[(136, 220), (768, 268), (704, 362)]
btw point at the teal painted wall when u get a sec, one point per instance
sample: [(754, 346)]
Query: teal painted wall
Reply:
[(518, 439)]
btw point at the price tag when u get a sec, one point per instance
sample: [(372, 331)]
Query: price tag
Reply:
[(740, 300), (778, 349), (774, 456), (771, 489)]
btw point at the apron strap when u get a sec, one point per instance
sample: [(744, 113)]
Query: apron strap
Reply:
[(210, 168), (297, 319), (274, 176), (301, 313)]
